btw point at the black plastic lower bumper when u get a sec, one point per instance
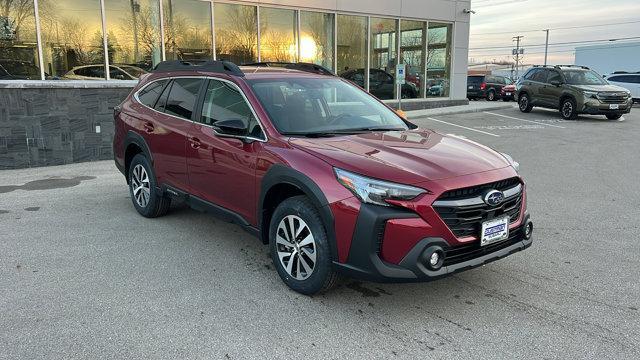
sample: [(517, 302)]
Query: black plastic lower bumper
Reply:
[(364, 261)]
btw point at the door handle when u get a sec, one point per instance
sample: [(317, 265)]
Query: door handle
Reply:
[(148, 127), (195, 142)]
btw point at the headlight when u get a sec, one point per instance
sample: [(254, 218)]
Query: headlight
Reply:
[(513, 163), (374, 191), (591, 94)]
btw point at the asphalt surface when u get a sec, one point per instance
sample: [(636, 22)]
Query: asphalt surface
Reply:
[(82, 275)]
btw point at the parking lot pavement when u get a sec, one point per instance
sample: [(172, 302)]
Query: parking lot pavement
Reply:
[(83, 276)]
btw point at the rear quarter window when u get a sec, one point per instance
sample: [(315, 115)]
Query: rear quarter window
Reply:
[(149, 94)]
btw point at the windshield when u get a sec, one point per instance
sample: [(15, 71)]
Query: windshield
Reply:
[(19, 68), (583, 77), (308, 106)]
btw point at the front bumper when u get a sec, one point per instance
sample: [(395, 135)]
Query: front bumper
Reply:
[(365, 262), (596, 107)]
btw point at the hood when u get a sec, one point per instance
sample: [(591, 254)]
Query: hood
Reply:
[(601, 88), (407, 157)]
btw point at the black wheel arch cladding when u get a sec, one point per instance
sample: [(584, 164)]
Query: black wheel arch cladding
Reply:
[(280, 174)]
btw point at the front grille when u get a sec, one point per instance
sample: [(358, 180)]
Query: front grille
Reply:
[(464, 215), (612, 98), (379, 231), (463, 253), (473, 191)]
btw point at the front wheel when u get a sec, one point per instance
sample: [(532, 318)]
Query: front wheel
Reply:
[(568, 109), (146, 197), (524, 103), (614, 116), (300, 248), (491, 96)]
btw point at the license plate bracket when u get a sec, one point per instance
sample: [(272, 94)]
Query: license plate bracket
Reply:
[(494, 230)]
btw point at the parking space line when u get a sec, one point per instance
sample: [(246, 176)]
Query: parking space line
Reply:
[(531, 121), (464, 127)]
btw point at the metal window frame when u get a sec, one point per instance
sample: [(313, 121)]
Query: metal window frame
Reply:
[(297, 11), (36, 15), (105, 41)]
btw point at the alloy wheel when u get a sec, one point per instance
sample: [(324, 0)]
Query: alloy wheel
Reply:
[(524, 102), (140, 185), (296, 247), (567, 109)]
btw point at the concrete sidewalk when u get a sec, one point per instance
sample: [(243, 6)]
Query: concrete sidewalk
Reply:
[(473, 107)]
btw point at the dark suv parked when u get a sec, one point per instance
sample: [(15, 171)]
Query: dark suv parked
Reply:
[(573, 90), (486, 86), (326, 174)]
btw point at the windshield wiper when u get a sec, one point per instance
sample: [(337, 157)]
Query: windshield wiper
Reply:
[(331, 133)]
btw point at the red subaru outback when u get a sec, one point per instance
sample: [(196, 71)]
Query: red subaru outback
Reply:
[(331, 178)]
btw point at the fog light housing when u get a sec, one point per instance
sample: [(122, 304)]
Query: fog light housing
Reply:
[(433, 257), (528, 230)]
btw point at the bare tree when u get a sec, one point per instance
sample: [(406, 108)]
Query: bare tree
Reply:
[(16, 12)]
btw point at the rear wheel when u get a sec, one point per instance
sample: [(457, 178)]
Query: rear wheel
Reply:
[(524, 103), (300, 247), (146, 197), (491, 95), (614, 116), (568, 109)]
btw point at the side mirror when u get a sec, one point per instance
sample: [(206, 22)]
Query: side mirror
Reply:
[(233, 127), (556, 83)]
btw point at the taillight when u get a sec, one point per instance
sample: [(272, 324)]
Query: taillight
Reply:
[(483, 86)]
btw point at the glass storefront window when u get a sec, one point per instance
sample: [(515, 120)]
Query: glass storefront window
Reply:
[(236, 29), (382, 82), (412, 45), (187, 30), (278, 38), (352, 48), (133, 28), (18, 45), (72, 44), (316, 38), (438, 60)]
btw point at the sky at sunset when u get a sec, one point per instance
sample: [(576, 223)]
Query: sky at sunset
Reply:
[(497, 21)]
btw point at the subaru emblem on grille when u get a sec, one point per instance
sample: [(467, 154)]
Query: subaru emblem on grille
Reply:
[(493, 198)]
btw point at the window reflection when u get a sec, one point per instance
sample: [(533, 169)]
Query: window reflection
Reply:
[(236, 33), (18, 48), (412, 43), (316, 38), (383, 59), (352, 48), (278, 38), (133, 28), (72, 38), (438, 60), (187, 29)]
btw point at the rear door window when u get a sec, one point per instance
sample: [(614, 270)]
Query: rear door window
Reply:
[(182, 97), (149, 94), (539, 76), (553, 76)]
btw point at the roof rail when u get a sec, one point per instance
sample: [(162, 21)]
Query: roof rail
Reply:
[(578, 66), (224, 67), (300, 66)]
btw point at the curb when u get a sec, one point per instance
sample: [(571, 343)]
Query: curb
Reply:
[(468, 110)]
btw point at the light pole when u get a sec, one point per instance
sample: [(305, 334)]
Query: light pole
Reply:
[(546, 47)]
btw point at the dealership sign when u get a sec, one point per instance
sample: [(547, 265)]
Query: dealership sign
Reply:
[(7, 32)]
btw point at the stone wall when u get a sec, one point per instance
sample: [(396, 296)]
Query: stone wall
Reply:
[(46, 123), (54, 123)]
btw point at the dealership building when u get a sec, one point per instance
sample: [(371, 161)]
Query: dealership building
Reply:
[(64, 64)]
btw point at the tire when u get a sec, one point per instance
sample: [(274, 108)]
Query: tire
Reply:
[(568, 109), (311, 242), (614, 116), (524, 103), (147, 200), (491, 95)]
